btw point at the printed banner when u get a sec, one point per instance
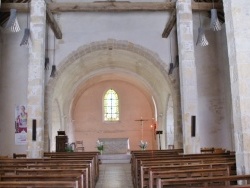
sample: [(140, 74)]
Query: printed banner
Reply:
[(21, 125)]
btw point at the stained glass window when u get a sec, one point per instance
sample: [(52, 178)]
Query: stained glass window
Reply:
[(111, 106)]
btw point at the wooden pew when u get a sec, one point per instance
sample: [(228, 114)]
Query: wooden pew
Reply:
[(47, 177), (145, 177), (93, 154), (146, 170), (88, 179), (56, 163), (38, 184), (162, 160), (75, 155), (199, 172), (64, 155), (76, 172), (49, 168), (201, 181), (138, 154)]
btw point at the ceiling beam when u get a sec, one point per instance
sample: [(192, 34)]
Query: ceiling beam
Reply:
[(53, 24), (204, 6), (169, 25), (195, 7), (24, 7), (111, 6)]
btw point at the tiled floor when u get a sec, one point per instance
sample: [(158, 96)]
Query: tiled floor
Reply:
[(115, 176)]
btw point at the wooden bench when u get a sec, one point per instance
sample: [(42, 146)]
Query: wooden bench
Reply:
[(76, 172), (38, 184), (213, 150), (199, 172), (87, 178), (83, 162), (180, 159), (45, 177), (148, 170), (201, 181)]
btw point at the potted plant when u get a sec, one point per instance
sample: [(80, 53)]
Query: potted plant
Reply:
[(99, 146), (143, 145)]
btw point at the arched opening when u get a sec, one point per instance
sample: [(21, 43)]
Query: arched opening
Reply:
[(118, 63)]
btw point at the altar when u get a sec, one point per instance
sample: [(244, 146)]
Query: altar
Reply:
[(115, 145), (115, 150)]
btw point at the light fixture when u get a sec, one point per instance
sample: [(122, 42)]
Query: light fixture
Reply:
[(25, 40), (172, 65), (12, 23), (53, 69), (201, 40), (215, 23)]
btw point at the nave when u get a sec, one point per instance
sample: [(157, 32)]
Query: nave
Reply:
[(115, 175)]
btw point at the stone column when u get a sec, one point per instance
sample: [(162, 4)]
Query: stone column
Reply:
[(237, 20), (35, 98), (188, 80)]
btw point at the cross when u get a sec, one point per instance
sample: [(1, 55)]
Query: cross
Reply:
[(141, 120)]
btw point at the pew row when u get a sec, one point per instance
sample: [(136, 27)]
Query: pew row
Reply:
[(226, 181), (82, 168)]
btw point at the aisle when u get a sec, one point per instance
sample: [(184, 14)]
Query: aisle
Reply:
[(115, 176)]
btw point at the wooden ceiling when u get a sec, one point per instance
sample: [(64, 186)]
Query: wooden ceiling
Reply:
[(109, 6)]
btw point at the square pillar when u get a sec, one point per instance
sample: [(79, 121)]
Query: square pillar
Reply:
[(35, 98), (237, 20), (188, 80)]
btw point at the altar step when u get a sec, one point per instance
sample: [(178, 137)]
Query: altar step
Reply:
[(115, 158)]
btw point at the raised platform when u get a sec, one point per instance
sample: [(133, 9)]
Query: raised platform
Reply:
[(115, 158)]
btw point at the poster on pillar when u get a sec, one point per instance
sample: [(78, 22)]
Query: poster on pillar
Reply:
[(21, 125)]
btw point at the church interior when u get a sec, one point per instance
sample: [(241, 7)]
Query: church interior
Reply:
[(118, 82)]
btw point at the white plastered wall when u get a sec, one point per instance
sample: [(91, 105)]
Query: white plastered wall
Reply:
[(142, 29)]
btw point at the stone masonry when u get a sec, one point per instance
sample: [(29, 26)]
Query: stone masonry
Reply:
[(237, 18), (188, 80), (35, 98)]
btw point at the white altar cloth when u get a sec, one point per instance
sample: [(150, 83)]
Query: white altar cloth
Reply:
[(115, 145)]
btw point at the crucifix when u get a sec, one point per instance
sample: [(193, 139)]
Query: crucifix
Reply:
[(141, 120)]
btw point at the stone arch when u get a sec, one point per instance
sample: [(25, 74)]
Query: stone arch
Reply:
[(99, 58)]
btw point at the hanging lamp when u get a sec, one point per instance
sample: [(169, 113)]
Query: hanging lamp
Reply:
[(47, 60), (12, 23), (53, 69), (215, 23), (26, 36), (201, 40), (171, 65)]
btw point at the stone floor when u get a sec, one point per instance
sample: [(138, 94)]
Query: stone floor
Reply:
[(115, 176)]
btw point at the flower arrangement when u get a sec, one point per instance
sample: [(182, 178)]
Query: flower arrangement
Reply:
[(99, 145), (143, 144), (69, 147)]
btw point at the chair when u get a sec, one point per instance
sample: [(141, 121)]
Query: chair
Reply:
[(79, 146)]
